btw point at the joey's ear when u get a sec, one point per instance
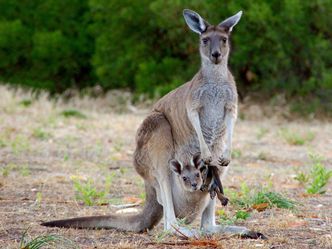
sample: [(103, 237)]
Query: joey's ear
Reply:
[(195, 22), (230, 22), (197, 161), (176, 166)]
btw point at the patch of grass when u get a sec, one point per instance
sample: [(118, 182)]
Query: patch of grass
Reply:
[(3, 144), (69, 113), (262, 156), (25, 170), (273, 199), (41, 134), (25, 102), (302, 178), (261, 132), (20, 144), (227, 218), (317, 179), (295, 138), (5, 171), (236, 153), (248, 197), (88, 193), (39, 197), (242, 215), (46, 241)]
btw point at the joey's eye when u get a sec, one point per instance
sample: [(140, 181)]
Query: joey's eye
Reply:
[(184, 178), (205, 40), (224, 39), (197, 174)]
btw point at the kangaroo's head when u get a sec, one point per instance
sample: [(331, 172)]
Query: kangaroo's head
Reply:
[(214, 40), (189, 175)]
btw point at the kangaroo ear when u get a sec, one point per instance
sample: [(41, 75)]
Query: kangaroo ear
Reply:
[(195, 22), (176, 166), (230, 22), (197, 161)]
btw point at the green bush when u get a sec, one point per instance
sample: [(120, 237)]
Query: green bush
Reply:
[(278, 46)]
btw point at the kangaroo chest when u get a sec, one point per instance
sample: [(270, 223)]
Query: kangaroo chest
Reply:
[(214, 99)]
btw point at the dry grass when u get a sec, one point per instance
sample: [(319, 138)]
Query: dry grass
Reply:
[(41, 150)]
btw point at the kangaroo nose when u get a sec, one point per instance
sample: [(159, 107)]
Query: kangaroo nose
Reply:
[(194, 185), (215, 54)]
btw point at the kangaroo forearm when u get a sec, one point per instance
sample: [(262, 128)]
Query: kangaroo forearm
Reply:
[(194, 119)]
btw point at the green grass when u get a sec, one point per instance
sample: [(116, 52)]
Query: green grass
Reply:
[(227, 218), (89, 194), (317, 178), (261, 133), (20, 144), (69, 113), (25, 102), (248, 197), (46, 241), (236, 153), (39, 133), (294, 138), (263, 156), (25, 170), (5, 171), (242, 215), (273, 199)]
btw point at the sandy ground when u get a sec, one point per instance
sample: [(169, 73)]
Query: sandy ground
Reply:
[(41, 151)]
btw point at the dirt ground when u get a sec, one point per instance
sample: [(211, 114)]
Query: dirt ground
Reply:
[(41, 151)]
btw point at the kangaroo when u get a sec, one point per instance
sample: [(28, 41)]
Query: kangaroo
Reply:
[(199, 116)]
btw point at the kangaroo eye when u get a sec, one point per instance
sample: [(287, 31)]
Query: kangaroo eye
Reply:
[(224, 39), (184, 178), (197, 175), (205, 40)]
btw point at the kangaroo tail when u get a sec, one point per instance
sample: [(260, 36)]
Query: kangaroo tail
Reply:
[(146, 219)]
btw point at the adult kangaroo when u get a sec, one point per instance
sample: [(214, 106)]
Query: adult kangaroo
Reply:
[(198, 116)]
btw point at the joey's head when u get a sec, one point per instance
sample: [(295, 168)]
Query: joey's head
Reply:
[(189, 175), (214, 39)]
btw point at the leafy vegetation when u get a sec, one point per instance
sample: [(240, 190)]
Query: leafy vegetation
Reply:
[(317, 179), (88, 193), (73, 113), (57, 45), (48, 241), (294, 138), (253, 198)]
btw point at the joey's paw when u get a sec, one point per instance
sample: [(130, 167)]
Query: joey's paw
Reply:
[(224, 201), (207, 160), (204, 187), (222, 161), (253, 235)]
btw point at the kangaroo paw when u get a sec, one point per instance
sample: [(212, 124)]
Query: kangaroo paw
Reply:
[(223, 162)]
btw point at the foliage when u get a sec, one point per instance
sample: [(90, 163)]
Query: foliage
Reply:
[(294, 138), (46, 44), (73, 113), (253, 198), (318, 177), (146, 46), (88, 193), (48, 240), (227, 218)]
